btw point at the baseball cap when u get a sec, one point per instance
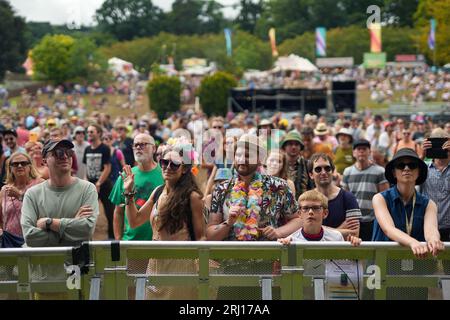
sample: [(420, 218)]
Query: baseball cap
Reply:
[(52, 144), (361, 143)]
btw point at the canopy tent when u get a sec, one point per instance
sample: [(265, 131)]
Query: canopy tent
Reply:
[(294, 63), (121, 67)]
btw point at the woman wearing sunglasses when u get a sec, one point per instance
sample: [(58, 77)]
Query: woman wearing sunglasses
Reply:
[(21, 174), (175, 211), (403, 214)]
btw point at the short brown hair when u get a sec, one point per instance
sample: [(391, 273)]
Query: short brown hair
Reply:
[(98, 128), (317, 156), (314, 195)]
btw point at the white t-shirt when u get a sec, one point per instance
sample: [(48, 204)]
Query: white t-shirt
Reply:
[(328, 235)]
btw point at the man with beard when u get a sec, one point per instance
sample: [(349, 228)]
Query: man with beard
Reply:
[(293, 145), (147, 176), (344, 212), (250, 207)]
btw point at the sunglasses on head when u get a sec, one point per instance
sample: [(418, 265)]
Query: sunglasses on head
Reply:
[(402, 165), (168, 164), (60, 153), (319, 169), (19, 163)]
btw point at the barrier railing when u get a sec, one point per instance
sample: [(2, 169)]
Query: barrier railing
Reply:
[(218, 270)]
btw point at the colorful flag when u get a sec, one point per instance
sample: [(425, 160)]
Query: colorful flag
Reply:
[(375, 37), (321, 42), (228, 41), (273, 42), (432, 35)]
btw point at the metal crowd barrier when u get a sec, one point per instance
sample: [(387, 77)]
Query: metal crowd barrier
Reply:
[(224, 270)]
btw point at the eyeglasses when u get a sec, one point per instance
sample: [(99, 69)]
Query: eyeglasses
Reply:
[(319, 169), (19, 163), (60, 153), (141, 145), (411, 165), (315, 209), (167, 164)]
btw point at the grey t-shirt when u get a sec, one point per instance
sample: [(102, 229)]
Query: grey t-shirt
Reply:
[(43, 200)]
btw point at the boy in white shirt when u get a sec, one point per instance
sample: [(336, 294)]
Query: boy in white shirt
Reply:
[(313, 210)]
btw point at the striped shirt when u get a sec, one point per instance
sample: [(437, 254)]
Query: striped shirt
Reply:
[(437, 188), (364, 185)]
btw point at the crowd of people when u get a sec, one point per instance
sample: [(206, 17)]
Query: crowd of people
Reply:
[(233, 178)]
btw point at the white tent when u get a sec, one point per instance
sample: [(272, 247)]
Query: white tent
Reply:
[(121, 67), (294, 63)]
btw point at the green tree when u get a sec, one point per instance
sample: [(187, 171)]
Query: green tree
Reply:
[(214, 92), (129, 19), (440, 11), (250, 12), (184, 17), (13, 45), (87, 63), (401, 11), (52, 58), (164, 95)]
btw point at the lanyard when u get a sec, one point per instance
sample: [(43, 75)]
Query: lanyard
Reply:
[(409, 223)]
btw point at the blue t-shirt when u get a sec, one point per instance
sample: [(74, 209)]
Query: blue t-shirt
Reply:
[(340, 208), (398, 213)]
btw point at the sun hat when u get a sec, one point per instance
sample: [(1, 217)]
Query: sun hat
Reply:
[(292, 136), (346, 132), (406, 153), (321, 129)]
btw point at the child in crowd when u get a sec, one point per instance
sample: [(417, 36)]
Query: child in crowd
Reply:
[(314, 209)]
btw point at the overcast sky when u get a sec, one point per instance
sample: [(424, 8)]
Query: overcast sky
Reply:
[(80, 11)]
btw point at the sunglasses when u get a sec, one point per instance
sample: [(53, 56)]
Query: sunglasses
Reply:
[(319, 169), (218, 127), (80, 132), (19, 163), (60, 153), (141, 145), (167, 164), (315, 209), (402, 165)]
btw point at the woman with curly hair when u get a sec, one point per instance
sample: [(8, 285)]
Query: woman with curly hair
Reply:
[(175, 210)]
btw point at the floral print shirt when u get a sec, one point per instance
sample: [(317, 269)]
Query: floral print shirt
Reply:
[(278, 203)]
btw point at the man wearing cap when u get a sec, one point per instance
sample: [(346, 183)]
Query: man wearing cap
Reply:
[(251, 205), (364, 179), (61, 211), (147, 176), (297, 165), (343, 153)]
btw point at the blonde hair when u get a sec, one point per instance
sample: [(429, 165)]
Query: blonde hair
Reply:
[(314, 195), (10, 179)]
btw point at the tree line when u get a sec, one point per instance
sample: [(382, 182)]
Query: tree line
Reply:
[(122, 23)]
